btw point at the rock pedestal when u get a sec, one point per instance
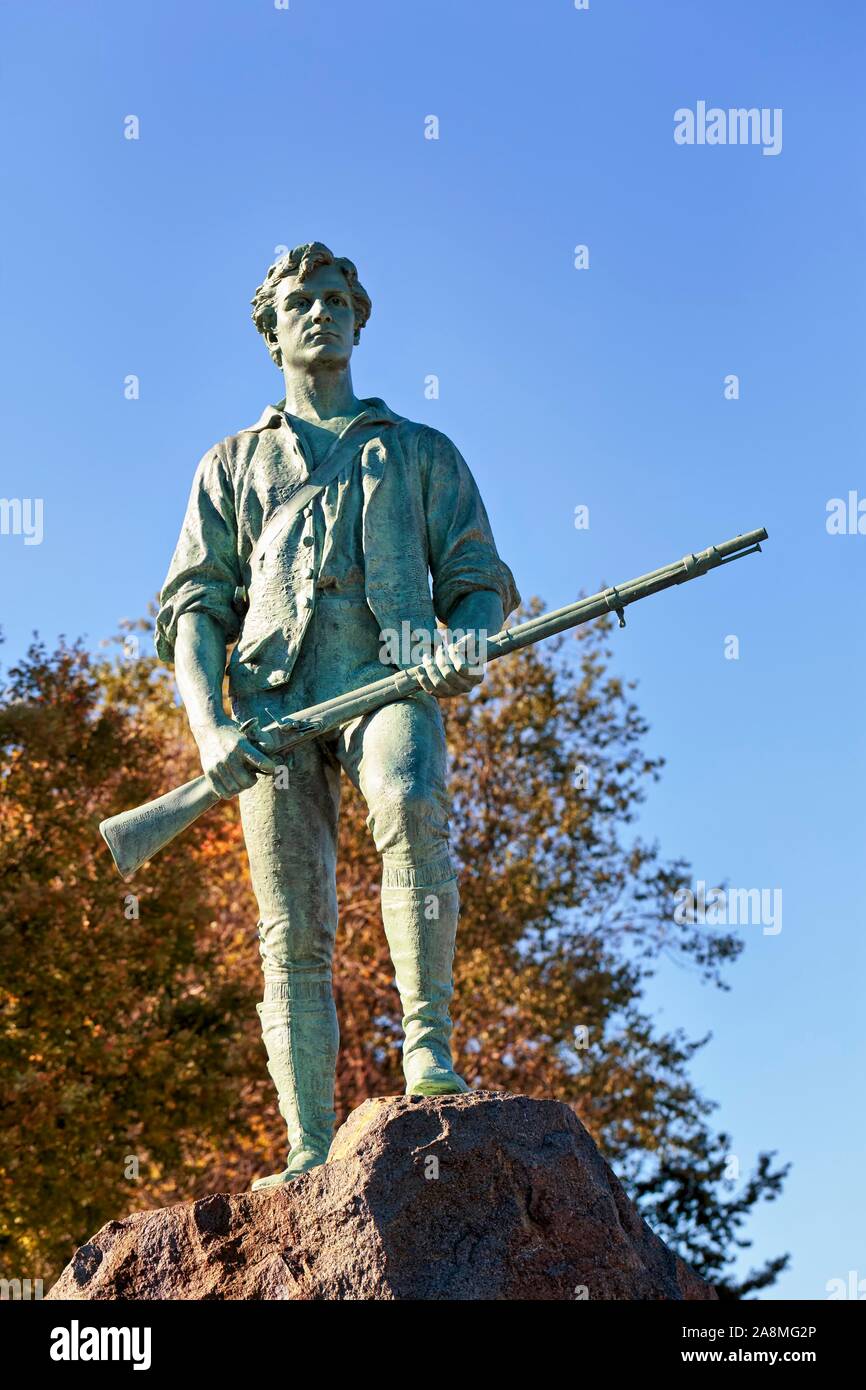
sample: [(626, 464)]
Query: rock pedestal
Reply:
[(478, 1196)]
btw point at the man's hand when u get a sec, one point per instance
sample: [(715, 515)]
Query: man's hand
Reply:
[(229, 761), (448, 672), (476, 616)]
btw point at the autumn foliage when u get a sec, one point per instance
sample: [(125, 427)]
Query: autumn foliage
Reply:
[(133, 1073)]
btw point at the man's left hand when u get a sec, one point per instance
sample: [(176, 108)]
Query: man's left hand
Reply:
[(449, 672)]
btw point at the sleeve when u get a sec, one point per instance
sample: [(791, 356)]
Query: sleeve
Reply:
[(204, 572), (462, 552)]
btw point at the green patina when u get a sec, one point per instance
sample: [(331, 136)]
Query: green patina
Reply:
[(304, 594), (308, 537)]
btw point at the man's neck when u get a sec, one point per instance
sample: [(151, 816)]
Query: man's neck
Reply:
[(322, 396)]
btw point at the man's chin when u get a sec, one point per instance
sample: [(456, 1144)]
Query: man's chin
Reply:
[(323, 355)]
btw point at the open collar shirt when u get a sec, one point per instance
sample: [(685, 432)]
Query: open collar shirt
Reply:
[(403, 510)]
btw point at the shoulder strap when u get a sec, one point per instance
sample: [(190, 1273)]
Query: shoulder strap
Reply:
[(280, 520)]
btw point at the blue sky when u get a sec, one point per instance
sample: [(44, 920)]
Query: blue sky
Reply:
[(602, 387)]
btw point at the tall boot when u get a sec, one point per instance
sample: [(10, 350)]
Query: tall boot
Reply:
[(301, 1036), (420, 908)]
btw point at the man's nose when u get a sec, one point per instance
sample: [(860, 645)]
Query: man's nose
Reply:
[(321, 312)]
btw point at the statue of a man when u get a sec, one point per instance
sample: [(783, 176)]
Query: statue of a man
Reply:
[(307, 593)]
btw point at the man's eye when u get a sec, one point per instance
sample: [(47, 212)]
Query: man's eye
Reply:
[(300, 304), (337, 299)]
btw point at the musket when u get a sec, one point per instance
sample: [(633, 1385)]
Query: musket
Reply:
[(136, 836)]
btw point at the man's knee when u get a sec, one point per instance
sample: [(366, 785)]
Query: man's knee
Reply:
[(407, 818), (291, 949)]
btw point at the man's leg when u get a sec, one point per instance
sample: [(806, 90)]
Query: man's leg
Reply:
[(397, 757), (291, 835)]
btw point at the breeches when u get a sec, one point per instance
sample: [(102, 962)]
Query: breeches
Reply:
[(396, 757)]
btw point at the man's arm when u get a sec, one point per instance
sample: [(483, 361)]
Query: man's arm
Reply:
[(197, 620), (473, 590), (461, 551), (229, 761), (480, 614), (204, 574)]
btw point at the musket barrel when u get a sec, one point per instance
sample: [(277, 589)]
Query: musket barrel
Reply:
[(135, 836), (331, 714), (620, 595)]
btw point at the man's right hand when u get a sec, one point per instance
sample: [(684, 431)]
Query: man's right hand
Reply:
[(229, 761)]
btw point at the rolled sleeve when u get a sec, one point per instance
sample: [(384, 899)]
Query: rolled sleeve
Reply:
[(462, 552), (204, 574)]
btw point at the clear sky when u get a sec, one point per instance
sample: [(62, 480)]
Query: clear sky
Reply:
[(602, 387)]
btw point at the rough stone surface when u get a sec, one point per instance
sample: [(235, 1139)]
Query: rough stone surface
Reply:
[(479, 1196)]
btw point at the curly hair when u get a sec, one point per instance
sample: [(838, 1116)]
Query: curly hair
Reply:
[(301, 262)]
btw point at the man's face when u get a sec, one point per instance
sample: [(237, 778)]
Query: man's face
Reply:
[(315, 319)]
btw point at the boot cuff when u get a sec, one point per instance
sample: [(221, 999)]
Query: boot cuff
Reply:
[(433, 873)]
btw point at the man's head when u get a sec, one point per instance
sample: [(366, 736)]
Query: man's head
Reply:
[(310, 307)]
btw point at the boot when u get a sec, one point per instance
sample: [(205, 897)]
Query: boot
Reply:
[(421, 928), (301, 1036)]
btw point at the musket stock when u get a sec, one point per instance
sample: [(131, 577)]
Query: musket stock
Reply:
[(136, 836)]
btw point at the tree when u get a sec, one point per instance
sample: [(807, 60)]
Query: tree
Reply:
[(116, 1031), (137, 1039)]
